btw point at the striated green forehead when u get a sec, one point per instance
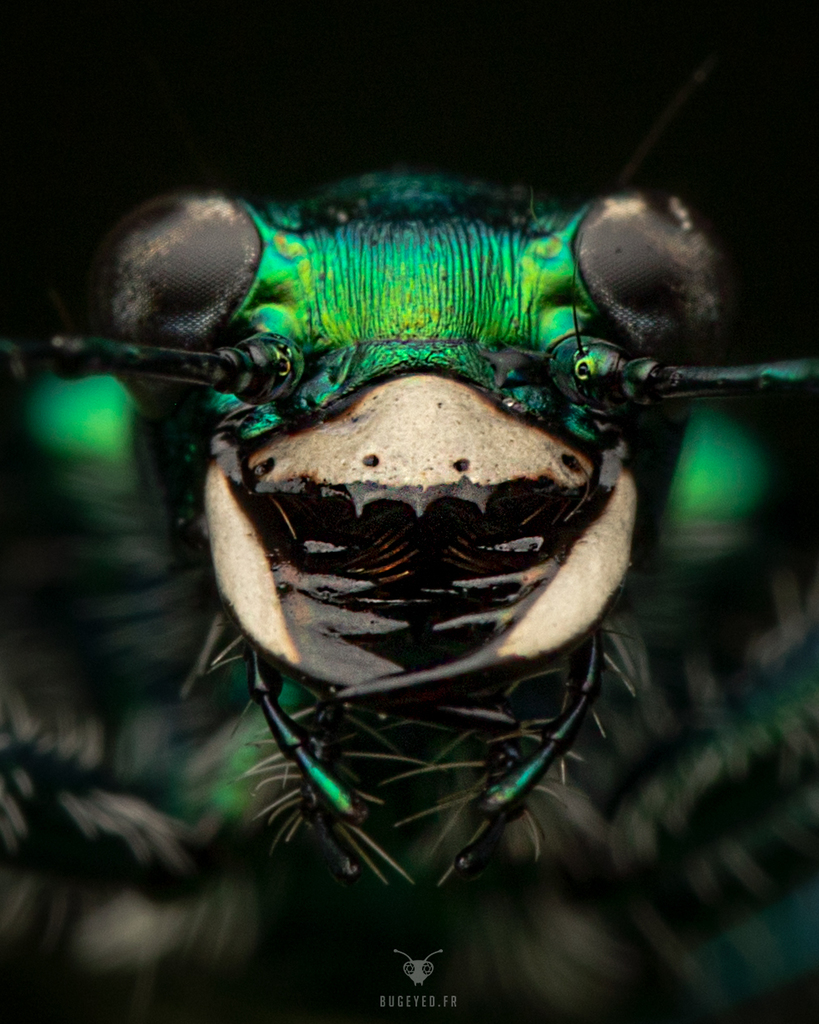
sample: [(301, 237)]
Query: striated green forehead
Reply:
[(416, 257)]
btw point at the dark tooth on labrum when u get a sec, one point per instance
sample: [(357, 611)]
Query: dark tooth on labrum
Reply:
[(419, 498)]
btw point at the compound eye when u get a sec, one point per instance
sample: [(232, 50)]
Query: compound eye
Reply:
[(652, 267), (409, 967), (427, 968), (174, 271)]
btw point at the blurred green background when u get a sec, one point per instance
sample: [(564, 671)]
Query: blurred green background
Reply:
[(103, 108)]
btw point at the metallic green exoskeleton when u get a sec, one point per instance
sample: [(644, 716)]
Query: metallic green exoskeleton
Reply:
[(422, 508), (421, 449), (410, 435)]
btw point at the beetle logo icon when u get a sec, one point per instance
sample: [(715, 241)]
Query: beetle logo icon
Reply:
[(418, 970)]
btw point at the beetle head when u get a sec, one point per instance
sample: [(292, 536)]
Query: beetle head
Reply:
[(398, 518)]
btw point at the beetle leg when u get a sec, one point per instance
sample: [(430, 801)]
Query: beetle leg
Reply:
[(343, 864), (325, 799), (502, 800)]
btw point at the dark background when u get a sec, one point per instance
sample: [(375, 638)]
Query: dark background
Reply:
[(101, 110)]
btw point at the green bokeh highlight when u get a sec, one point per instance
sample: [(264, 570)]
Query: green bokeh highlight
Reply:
[(723, 472), (81, 418)]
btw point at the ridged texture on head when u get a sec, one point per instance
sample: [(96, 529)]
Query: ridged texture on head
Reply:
[(416, 257)]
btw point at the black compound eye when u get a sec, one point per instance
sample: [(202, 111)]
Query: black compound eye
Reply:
[(654, 269), (173, 272)]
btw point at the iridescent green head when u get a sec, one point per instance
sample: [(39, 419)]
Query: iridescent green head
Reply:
[(416, 258), (427, 266), (437, 489)]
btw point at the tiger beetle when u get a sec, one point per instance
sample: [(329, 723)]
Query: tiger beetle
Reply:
[(411, 415)]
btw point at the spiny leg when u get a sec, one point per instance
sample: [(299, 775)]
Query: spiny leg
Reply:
[(325, 799), (504, 757), (512, 777)]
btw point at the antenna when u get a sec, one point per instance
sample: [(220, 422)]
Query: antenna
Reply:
[(580, 348), (677, 102)]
